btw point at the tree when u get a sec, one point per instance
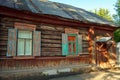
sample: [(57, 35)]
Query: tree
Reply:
[(117, 35), (117, 21), (105, 13), (117, 15)]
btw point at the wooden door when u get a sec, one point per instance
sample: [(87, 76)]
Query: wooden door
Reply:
[(101, 54)]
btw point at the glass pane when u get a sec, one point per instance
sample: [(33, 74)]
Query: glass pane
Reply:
[(20, 46), (28, 47), (24, 34), (74, 47), (71, 38), (70, 47)]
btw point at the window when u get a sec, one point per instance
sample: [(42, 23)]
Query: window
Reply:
[(71, 44), (24, 44), (23, 40), (72, 41)]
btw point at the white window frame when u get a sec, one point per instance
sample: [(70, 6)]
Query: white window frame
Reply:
[(25, 40)]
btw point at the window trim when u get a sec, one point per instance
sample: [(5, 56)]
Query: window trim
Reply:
[(13, 40), (76, 42), (24, 27), (24, 39)]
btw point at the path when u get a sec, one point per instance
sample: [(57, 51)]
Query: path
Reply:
[(103, 75)]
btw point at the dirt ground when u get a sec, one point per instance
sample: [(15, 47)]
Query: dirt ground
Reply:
[(111, 74), (99, 75)]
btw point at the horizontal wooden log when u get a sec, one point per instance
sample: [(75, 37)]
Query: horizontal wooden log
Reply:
[(2, 53), (8, 25), (60, 28), (51, 37), (3, 49), (83, 32), (3, 33), (3, 43), (85, 29), (51, 41), (51, 45), (51, 49), (3, 27), (52, 28), (6, 20), (85, 45), (85, 42), (51, 53), (51, 33), (47, 27), (85, 50), (3, 39)]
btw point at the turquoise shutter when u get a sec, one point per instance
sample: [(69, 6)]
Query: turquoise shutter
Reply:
[(12, 38), (79, 44), (64, 44), (36, 43)]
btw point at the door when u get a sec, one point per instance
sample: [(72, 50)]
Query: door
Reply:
[(101, 54)]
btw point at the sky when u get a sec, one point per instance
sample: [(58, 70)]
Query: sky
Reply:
[(91, 4)]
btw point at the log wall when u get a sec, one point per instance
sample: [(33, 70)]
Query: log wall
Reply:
[(51, 42), (44, 62), (51, 46), (51, 37), (4, 25)]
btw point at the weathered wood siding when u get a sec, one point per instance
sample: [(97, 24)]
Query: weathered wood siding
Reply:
[(51, 42), (3, 41), (51, 45), (51, 37), (85, 42), (4, 25), (44, 62)]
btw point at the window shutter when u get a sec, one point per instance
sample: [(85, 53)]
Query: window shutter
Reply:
[(79, 44), (64, 44), (36, 43), (12, 38)]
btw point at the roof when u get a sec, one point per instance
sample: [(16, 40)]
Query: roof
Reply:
[(57, 9), (104, 39)]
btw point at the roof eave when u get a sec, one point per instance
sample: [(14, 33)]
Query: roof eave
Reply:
[(49, 19)]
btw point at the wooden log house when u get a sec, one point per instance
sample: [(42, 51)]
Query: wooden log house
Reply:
[(41, 33)]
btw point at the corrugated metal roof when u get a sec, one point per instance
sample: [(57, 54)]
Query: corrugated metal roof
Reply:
[(53, 8)]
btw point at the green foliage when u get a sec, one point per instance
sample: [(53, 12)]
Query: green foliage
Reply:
[(103, 13), (117, 15), (117, 35)]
